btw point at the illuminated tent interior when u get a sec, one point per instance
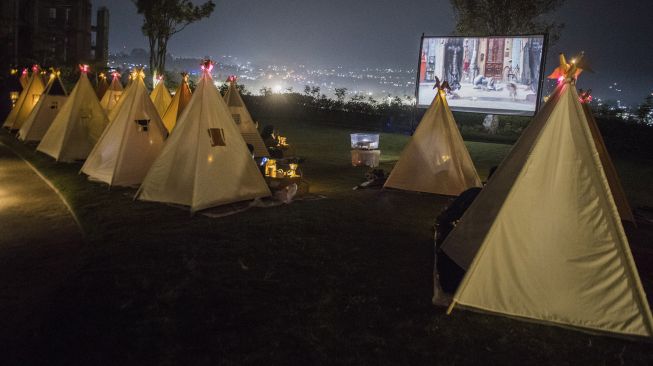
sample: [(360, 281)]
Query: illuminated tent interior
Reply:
[(205, 162), (112, 95), (243, 119), (436, 159), (131, 142), (161, 97), (178, 103), (543, 240), (77, 126), (102, 86), (49, 104), (26, 101)]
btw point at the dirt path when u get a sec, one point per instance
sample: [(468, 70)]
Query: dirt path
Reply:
[(40, 246)]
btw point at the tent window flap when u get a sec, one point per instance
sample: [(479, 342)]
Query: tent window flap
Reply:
[(217, 137)]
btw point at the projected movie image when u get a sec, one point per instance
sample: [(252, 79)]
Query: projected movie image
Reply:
[(498, 75)]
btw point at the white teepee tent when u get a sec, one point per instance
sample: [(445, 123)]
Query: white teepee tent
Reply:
[(435, 159), (205, 163), (77, 126), (161, 97), (49, 104), (178, 103), (26, 101), (112, 95), (243, 119), (543, 240), (131, 142)]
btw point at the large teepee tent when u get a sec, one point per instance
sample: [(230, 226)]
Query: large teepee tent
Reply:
[(205, 162), (435, 159), (102, 85), (243, 119), (161, 97), (49, 104), (113, 94), (543, 240), (131, 142), (77, 126), (178, 103), (26, 101)]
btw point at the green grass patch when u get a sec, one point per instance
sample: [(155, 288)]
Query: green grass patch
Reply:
[(342, 280)]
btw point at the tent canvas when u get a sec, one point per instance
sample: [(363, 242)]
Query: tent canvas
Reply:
[(131, 142), (543, 240), (243, 119), (26, 102), (49, 104), (435, 159), (205, 162), (102, 86), (616, 188), (178, 103), (161, 97), (112, 95), (77, 126)]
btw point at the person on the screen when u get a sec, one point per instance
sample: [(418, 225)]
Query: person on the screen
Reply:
[(481, 82)]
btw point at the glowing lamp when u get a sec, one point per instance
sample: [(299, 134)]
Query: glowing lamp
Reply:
[(35, 68), (84, 68), (271, 168), (282, 141), (115, 74), (292, 170), (14, 71), (231, 79), (14, 97)]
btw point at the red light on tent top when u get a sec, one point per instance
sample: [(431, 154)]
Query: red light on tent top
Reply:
[(35, 68), (25, 71), (115, 74), (84, 68), (207, 65), (159, 77), (231, 78)]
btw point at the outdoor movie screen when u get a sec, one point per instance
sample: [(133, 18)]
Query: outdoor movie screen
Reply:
[(494, 75)]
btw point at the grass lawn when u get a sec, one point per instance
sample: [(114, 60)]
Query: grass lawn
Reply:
[(341, 280)]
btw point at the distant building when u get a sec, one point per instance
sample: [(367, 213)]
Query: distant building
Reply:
[(52, 33)]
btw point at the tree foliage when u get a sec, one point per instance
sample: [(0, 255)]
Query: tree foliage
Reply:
[(506, 17), (164, 18)]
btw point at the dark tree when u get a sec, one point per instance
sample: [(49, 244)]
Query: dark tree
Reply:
[(340, 94), (506, 17), (164, 18)]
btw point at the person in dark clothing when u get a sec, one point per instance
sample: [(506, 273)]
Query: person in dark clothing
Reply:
[(448, 274)]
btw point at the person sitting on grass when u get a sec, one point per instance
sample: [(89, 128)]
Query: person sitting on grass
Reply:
[(270, 141), (447, 275)]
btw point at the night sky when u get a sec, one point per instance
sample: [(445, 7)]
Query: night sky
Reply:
[(616, 36)]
